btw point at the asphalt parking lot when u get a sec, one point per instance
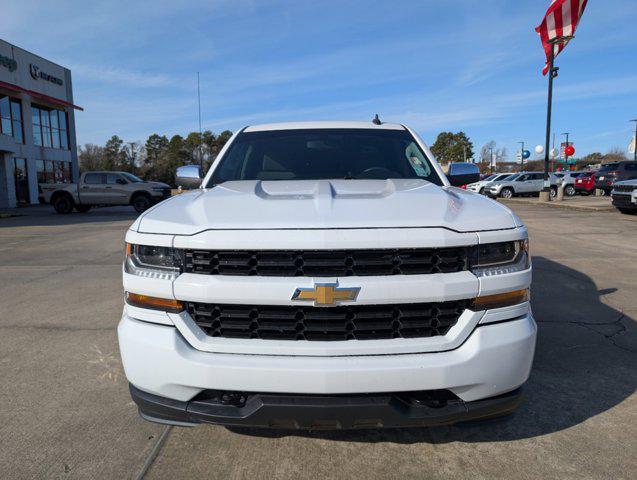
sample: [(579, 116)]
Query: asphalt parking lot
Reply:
[(65, 411)]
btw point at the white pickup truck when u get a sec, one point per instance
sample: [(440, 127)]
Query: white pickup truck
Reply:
[(103, 189), (327, 275)]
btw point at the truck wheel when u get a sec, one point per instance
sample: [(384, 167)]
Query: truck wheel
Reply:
[(569, 190), (141, 202), (506, 193), (82, 208), (553, 192), (63, 204)]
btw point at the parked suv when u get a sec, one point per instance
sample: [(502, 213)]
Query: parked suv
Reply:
[(585, 183), (566, 180), (102, 189), (327, 275), (624, 196), (480, 186), (614, 172), (525, 183)]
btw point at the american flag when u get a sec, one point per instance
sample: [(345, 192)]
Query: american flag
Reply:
[(561, 20)]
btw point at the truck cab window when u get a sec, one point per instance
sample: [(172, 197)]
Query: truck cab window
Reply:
[(94, 178)]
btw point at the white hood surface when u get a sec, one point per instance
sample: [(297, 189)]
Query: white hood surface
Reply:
[(325, 204)]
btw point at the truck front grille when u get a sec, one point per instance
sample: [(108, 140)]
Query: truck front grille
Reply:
[(326, 263), (360, 322), (622, 200)]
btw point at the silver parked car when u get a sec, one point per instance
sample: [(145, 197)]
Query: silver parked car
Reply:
[(524, 183), (482, 185), (567, 181)]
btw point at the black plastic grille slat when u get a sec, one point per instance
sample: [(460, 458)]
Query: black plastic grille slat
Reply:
[(327, 263), (356, 322)]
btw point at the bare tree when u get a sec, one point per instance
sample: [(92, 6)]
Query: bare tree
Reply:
[(91, 157)]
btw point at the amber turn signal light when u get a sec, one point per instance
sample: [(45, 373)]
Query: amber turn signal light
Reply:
[(154, 303), (500, 300)]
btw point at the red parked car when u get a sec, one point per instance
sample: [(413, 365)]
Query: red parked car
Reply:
[(585, 183)]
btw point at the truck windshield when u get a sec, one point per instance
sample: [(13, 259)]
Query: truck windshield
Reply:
[(608, 167), (132, 178), (320, 154)]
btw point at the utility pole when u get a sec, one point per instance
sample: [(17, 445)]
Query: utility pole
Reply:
[(635, 140), (545, 194), (464, 153), (522, 157), (491, 159), (132, 156)]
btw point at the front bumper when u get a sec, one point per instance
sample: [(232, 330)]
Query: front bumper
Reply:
[(494, 360), (313, 412), (624, 201)]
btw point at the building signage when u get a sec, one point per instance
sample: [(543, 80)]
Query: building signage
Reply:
[(37, 73), (9, 63)]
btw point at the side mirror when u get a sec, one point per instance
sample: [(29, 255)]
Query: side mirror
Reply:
[(463, 173), (121, 181), (189, 176)]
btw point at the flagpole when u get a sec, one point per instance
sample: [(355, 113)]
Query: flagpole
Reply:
[(545, 194)]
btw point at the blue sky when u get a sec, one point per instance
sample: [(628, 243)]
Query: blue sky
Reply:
[(435, 65)]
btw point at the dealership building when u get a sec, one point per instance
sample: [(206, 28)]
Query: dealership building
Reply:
[(37, 125)]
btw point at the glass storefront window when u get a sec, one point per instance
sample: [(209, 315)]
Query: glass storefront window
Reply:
[(21, 180), (50, 128), (37, 135), (5, 115), (49, 171), (64, 139), (16, 118)]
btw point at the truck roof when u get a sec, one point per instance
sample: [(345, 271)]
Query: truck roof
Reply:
[(320, 125)]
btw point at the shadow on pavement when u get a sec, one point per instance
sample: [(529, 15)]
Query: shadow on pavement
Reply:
[(44, 216), (585, 364)]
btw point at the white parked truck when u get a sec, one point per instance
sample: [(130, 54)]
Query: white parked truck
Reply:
[(327, 275), (101, 189)]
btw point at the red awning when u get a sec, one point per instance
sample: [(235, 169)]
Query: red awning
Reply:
[(41, 96)]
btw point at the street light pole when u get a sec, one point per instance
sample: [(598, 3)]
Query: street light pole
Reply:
[(132, 155), (522, 157), (545, 195), (491, 159)]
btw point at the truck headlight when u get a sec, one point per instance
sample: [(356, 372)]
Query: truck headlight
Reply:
[(152, 262), (490, 259)]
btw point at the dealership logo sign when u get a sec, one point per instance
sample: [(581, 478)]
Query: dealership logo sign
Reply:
[(9, 63), (36, 73)]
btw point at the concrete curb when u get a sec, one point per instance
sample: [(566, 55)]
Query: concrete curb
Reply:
[(564, 204)]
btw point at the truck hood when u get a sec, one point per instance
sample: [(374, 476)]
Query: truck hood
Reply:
[(325, 204)]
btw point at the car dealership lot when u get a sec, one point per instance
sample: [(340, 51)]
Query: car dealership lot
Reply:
[(66, 412)]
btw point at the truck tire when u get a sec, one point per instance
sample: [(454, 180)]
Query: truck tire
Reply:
[(553, 192), (569, 190), (141, 202), (82, 208), (63, 203), (506, 193)]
